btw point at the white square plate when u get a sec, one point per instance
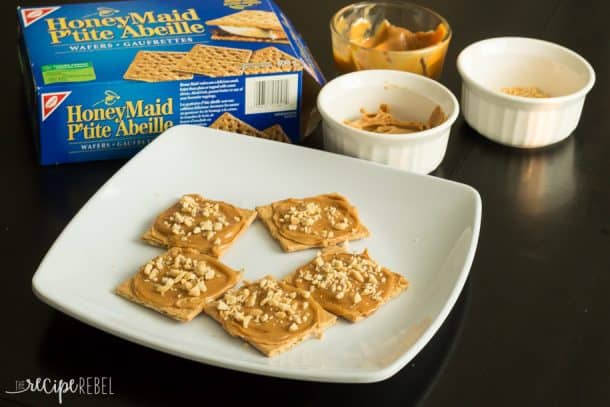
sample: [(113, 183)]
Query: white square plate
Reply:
[(423, 227)]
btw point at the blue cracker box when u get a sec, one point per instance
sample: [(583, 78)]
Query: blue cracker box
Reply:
[(104, 79)]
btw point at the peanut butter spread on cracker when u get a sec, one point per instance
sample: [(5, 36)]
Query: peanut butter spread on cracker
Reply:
[(202, 224), (312, 220), (270, 314), (350, 285), (317, 221), (182, 278)]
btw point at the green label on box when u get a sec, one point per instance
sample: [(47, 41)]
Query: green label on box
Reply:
[(75, 72)]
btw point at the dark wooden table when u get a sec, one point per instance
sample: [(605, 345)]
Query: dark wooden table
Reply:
[(531, 327)]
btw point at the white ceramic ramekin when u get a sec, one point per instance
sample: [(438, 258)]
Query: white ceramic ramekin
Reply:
[(410, 97), (490, 65)]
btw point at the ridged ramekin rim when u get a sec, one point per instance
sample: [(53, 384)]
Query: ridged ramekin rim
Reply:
[(435, 131), (522, 100)]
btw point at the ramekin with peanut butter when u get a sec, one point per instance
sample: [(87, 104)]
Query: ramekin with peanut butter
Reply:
[(391, 117), (401, 36)]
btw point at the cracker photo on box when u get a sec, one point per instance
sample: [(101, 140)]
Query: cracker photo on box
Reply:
[(249, 25), (154, 66)]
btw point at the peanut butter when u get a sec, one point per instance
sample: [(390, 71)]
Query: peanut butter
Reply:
[(349, 285), (182, 278), (179, 283), (312, 221), (202, 224), (383, 121), (318, 221), (388, 37), (270, 315), (359, 45), (268, 311)]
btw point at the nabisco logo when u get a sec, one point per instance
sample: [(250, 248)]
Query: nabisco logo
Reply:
[(49, 102), (31, 15)]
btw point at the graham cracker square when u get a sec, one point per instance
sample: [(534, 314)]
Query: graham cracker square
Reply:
[(277, 133), (270, 60), (214, 61), (270, 315), (179, 283), (155, 66), (208, 226), (228, 122), (318, 221), (350, 285)]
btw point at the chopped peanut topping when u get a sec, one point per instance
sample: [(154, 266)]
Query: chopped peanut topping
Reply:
[(318, 221), (336, 219), (526, 91), (179, 273), (345, 276), (302, 216), (195, 217)]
